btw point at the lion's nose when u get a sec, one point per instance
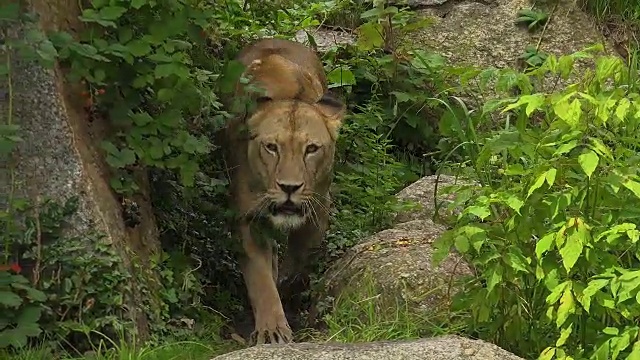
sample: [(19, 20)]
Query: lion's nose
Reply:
[(290, 188)]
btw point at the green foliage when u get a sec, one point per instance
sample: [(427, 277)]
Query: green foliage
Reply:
[(383, 68), (532, 18), (77, 282), (367, 177), (552, 231), (21, 306), (533, 57), (137, 61)]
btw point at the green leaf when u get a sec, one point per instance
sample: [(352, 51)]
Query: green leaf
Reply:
[(30, 314), (565, 148), (165, 95), (127, 156), (32, 293), (633, 186), (141, 118), (537, 184), (517, 261), (572, 248), (544, 244), (138, 48), (478, 210), (556, 293), (174, 68), (533, 103), (566, 308), (494, 278), (569, 112), (109, 147), (550, 176), (591, 289), (369, 36), (187, 173), (340, 76), (137, 4), (230, 76), (462, 243), (609, 330), (602, 352), (623, 109), (514, 203), (29, 329), (547, 354), (403, 96), (589, 162), (564, 335), (635, 352), (111, 13), (10, 299), (620, 344), (12, 337)]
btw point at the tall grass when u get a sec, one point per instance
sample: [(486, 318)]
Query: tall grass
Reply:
[(616, 10)]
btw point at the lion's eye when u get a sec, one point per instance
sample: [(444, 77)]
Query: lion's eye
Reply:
[(271, 147), (312, 148)]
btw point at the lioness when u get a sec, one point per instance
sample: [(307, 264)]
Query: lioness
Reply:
[(281, 158)]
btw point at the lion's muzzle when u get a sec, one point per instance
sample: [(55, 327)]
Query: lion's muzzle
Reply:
[(287, 210)]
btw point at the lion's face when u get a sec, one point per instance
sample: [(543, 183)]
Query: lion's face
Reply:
[(291, 153)]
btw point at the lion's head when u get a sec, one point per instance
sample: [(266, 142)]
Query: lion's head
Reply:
[(291, 153)]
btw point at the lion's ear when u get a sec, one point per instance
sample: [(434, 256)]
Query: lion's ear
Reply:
[(309, 85), (333, 109)]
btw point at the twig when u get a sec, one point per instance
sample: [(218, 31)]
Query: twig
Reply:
[(544, 28)]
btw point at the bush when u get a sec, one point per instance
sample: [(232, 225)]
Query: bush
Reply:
[(553, 231)]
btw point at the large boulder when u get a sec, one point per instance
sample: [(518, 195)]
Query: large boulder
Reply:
[(398, 262), (484, 33), (439, 348), (59, 159)]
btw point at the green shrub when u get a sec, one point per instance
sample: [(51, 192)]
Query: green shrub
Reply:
[(553, 231)]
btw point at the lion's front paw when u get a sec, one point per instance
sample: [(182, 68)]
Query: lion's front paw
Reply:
[(275, 330)]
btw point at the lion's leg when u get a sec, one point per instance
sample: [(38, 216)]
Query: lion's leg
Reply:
[(257, 270), (274, 265)]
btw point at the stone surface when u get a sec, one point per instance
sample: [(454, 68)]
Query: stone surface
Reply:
[(483, 33), (59, 157), (325, 38), (398, 261), (422, 192), (439, 348), (421, 3)]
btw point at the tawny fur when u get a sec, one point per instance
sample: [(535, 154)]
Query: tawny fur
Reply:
[(287, 142)]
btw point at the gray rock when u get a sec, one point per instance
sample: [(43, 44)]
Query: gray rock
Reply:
[(325, 38), (484, 34), (439, 348), (421, 3), (423, 193), (398, 261)]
